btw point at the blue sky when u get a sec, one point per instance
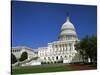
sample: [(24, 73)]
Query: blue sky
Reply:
[(35, 24)]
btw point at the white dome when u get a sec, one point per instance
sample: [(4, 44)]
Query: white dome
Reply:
[(67, 30), (67, 25)]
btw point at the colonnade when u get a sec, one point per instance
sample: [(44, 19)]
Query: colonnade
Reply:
[(59, 51)]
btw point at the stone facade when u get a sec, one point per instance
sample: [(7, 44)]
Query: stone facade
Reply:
[(17, 52), (63, 49)]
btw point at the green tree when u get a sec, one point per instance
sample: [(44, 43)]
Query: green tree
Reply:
[(93, 48), (23, 56), (80, 50), (13, 59), (87, 47)]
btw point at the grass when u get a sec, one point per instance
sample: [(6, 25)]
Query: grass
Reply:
[(47, 68), (42, 69), (89, 64)]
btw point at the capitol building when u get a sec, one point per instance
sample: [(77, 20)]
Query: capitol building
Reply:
[(62, 50)]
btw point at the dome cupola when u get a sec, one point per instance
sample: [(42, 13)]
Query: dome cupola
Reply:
[(67, 25), (67, 31)]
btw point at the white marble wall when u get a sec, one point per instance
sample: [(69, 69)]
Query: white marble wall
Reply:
[(18, 52), (57, 51)]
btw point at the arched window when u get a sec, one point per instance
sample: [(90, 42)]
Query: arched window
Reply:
[(44, 58), (57, 57), (61, 57), (48, 58), (52, 58), (65, 56)]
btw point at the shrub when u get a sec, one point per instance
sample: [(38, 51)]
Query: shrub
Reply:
[(13, 59), (24, 56)]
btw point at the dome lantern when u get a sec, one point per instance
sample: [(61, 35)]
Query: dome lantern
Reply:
[(68, 19)]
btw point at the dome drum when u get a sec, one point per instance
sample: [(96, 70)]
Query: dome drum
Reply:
[(68, 35), (68, 29)]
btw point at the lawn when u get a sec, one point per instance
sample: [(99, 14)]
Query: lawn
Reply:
[(52, 68), (42, 69)]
